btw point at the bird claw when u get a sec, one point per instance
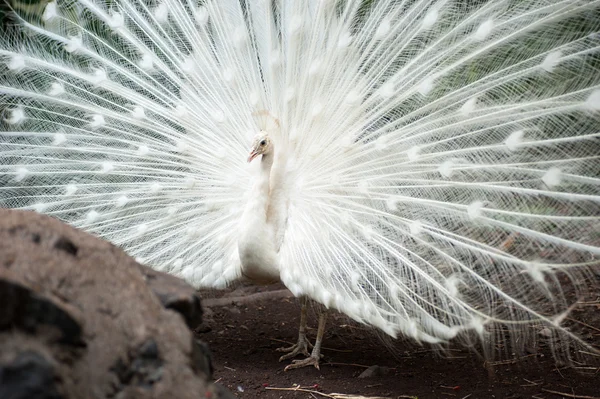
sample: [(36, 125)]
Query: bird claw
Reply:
[(300, 348), (309, 361)]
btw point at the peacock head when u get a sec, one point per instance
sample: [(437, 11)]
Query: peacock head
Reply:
[(261, 145)]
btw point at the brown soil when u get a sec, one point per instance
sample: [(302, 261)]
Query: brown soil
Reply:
[(245, 327)]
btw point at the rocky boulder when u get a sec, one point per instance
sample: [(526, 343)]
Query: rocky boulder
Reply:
[(81, 319)]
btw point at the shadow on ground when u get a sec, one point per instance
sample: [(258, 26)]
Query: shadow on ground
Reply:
[(244, 327)]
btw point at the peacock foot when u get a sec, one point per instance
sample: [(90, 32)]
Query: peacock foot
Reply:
[(312, 360), (301, 347)]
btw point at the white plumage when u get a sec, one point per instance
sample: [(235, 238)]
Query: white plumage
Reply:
[(434, 163)]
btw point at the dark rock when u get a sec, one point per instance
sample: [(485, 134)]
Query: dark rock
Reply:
[(203, 328), (149, 349), (375, 371), (25, 309), (82, 319), (176, 295), (29, 375), (147, 365), (202, 358), (143, 367), (65, 245)]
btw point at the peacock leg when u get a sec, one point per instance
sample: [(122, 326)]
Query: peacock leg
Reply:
[(302, 346), (315, 356)]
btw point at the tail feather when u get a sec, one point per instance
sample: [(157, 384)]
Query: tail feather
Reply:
[(438, 160)]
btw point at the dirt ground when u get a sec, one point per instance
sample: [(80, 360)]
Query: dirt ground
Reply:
[(244, 327)]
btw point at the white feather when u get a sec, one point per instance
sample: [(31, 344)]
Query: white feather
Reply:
[(400, 167)]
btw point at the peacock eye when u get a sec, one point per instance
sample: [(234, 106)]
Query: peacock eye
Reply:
[(264, 142)]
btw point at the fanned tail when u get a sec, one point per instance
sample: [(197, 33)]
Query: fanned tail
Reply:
[(441, 157), (134, 127), (464, 192)]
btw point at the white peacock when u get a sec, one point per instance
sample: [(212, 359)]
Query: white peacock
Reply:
[(432, 171)]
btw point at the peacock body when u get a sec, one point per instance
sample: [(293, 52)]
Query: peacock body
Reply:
[(430, 168)]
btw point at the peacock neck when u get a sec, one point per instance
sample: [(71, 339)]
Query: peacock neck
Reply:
[(255, 244), (263, 185)]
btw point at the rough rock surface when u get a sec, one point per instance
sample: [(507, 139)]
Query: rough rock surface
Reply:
[(81, 319)]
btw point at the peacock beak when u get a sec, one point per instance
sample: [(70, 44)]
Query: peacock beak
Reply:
[(253, 154)]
